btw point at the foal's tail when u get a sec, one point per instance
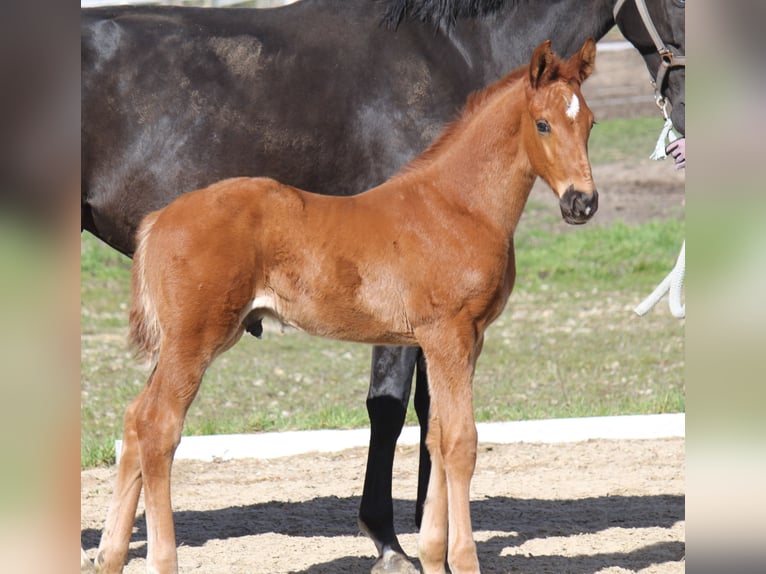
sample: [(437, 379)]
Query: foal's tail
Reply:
[(144, 323)]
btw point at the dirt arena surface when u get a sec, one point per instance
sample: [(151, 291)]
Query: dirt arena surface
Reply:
[(605, 507), (590, 507)]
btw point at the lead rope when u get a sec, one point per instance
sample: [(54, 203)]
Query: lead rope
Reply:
[(674, 281), (667, 137)]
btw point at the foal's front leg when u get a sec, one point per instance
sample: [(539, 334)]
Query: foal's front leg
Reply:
[(452, 439), (446, 530), (432, 541)]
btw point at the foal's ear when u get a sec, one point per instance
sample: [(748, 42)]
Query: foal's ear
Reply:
[(542, 58), (584, 61)]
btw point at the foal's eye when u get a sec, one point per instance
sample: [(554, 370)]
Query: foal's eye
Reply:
[(543, 127)]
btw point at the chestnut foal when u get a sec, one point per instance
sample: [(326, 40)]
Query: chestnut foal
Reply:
[(424, 259)]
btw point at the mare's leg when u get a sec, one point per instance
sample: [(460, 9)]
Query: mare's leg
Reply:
[(422, 405), (115, 538), (390, 384), (446, 529)]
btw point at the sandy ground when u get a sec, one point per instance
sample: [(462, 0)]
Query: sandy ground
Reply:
[(583, 508), (596, 506)]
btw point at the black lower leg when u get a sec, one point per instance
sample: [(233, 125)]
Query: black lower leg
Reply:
[(422, 405), (376, 512), (390, 384)]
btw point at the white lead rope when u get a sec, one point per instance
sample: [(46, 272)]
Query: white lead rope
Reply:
[(667, 136), (673, 282)]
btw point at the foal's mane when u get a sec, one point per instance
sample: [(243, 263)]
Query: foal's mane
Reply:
[(475, 102), (557, 70), (436, 12)]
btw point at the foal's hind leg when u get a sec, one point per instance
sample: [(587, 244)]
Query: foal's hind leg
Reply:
[(113, 548), (153, 426), (159, 422)]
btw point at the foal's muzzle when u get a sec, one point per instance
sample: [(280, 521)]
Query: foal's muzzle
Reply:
[(578, 207)]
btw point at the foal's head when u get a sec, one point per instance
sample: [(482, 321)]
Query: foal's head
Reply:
[(557, 128)]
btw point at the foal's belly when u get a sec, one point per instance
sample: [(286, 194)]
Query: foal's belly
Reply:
[(335, 317)]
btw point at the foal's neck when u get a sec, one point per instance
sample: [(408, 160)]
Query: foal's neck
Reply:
[(479, 165)]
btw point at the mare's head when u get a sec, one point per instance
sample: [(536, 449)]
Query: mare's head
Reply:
[(557, 127), (657, 29)]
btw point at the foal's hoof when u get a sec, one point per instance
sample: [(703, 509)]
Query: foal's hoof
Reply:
[(86, 566), (393, 563)]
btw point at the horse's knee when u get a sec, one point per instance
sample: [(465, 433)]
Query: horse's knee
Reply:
[(158, 433), (387, 416), (455, 444), (459, 450), (158, 422)]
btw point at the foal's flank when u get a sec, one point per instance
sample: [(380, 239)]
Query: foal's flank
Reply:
[(424, 259)]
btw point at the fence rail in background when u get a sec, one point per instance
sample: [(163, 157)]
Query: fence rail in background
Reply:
[(203, 3)]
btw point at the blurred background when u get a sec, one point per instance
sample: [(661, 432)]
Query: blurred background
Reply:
[(202, 3), (726, 283)]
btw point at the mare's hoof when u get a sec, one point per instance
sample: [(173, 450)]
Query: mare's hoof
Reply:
[(394, 563)]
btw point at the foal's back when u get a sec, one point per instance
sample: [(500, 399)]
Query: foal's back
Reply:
[(326, 265), (364, 268)]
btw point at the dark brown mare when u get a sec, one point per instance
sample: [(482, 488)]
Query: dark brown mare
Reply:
[(174, 99), (425, 259)]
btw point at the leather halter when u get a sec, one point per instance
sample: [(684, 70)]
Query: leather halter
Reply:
[(668, 59)]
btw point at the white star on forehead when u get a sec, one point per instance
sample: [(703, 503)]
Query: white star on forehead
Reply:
[(573, 107)]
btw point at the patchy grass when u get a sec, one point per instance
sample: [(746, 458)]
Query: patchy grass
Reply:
[(567, 345), (618, 139)]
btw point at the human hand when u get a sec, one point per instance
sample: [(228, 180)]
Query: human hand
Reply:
[(677, 149)]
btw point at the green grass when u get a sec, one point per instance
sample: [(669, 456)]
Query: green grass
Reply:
[(619, 139), (619, 257), (567, 345)]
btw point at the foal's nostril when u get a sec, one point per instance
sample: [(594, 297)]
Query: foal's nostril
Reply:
[(578, 207), (585, 205), (590, 203)]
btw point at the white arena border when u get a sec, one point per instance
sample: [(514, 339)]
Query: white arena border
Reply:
[(290, 443)]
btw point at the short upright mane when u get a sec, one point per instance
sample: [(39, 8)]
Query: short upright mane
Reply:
[(474, 102), (436, 12), (556, 70)]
